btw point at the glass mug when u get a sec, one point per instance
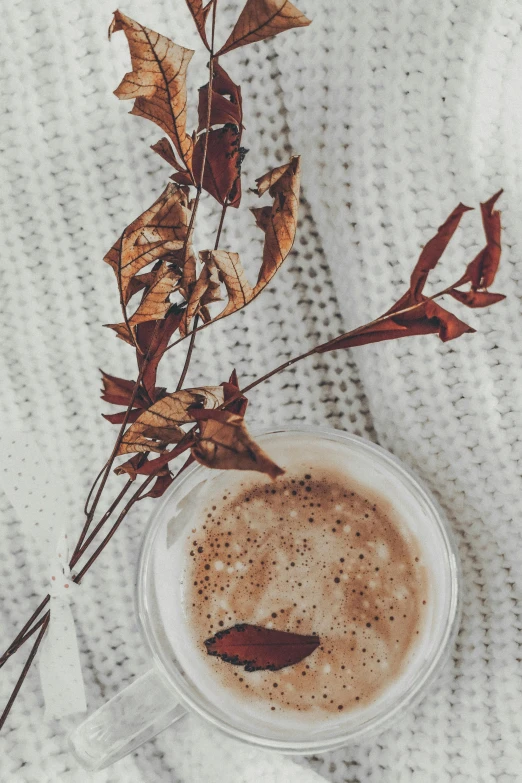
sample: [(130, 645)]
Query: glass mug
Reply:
[(167, 693)]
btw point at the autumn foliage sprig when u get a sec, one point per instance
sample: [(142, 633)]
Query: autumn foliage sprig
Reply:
[(178, 290)]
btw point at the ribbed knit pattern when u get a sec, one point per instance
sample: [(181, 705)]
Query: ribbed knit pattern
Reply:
[(400, 110)]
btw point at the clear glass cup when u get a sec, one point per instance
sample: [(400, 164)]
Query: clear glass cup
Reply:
[(166, 693)]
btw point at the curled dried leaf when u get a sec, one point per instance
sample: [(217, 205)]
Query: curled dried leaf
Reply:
[(159, 230), (482, 270), (160, 424), (153, 338), (222, 177), (225, 444), (262, 19), (227, 104), (279, 222), (200, 14), (476, 298), (157, 81), (434, 249), (256, 648)]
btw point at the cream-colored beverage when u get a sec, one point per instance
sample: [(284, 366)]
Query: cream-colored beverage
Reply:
[(318, 551)]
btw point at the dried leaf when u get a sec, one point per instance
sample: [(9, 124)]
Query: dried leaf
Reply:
[(222, 166), (434, 249), (227, 105), (119, 418), (148, 467), (163, 481), (160, 229), (262, 19), (227, 445), (165, 151), (153, 338), (157, 81), (206, 290), (482, 270), (230, 389), (159, 425), (200, 14), (118, 391), (258, 648), (427, 318), (279, 222), (476, 298), (155, 305)]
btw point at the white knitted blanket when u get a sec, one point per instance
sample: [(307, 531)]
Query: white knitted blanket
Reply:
[(400, 109)]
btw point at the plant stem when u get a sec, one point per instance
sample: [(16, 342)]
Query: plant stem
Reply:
[(100, 524), (16, 643), (23, 675)]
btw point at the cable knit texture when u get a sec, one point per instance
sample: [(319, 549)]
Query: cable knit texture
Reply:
[(400, 110)]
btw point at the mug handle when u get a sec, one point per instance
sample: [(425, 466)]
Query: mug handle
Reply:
[(133, 716)]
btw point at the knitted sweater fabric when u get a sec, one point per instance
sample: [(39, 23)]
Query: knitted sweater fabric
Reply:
[(399, 110)]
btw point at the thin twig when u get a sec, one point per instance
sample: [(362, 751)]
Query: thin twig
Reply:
[(16, 643), (23, 675)]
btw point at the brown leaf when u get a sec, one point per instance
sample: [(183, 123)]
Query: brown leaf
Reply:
[(206, 290), (118, 391), (165, 151), (200, 14), (163, 481), (482, 270), (227, 445), (222, 166), (476, 298), (279, 222), (258, 648), (134, 466), (227, 105), (230, 389), (153, 338), (157, 81), (155, 305), (261, 19), (160, 229), (427, 318), (119, 418), (434, 249), (159, 425)]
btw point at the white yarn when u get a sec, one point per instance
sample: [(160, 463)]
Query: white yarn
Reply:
[(399, 110)]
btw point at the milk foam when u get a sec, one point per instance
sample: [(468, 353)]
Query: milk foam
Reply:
[(362, 659)]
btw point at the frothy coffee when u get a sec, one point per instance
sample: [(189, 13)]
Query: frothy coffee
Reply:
[(314, 552)]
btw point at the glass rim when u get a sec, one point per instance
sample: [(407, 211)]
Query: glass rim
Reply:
[(427, 673)]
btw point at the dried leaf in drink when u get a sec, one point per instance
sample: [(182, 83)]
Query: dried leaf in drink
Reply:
[(157, 82), (262, 19), (257, 648)]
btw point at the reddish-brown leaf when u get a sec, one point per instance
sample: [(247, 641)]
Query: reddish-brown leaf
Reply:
[(427, 318), (119, 418), (200, 14), (165, 151), (133, 467), (433, 250), (255, 647), (153, 338), (261, 19), (222, 178), (476, 298), (157, 82), (482, 270), (227, 445), (230, 389), (227, 105), (163, 481)]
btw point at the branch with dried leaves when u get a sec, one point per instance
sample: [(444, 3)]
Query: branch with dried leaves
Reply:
[(154, 258)]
